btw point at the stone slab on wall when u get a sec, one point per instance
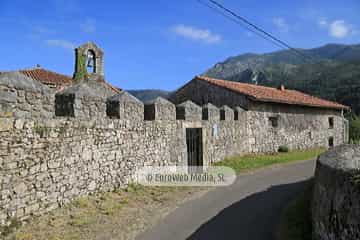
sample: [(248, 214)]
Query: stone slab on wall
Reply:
[(210, 112), (188, 111), (85, 100), (21, 96), (159, 109), (226, 113), (125, 106), (335, 204)]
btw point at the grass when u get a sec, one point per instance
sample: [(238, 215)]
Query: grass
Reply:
[(296, 218), (250, 162), (120, 213)]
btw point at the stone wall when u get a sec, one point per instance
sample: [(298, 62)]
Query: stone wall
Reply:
[(336, 205), (47, 159), (46, 163), (297, 128)]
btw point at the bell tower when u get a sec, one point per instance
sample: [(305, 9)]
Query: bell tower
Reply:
[(89, 63)]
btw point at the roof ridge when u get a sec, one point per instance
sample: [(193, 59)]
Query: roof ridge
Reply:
[(240, 83), (297, 91), (270, 94)]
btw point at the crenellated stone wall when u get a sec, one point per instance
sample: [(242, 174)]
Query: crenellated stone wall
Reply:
[(87, 138), (46, 163)]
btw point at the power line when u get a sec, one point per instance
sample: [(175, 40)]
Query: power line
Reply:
[(260, 30), (240, 23)]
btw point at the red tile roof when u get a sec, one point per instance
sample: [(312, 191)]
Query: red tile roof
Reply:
[(53, 78), (268, 94), (47, 77)]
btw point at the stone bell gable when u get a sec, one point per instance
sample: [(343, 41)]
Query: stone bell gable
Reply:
[(125, 106), (89, 62)]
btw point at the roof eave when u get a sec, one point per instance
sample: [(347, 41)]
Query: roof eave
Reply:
[(342, 107)]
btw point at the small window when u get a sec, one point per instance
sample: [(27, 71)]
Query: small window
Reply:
[(310, 135), (331, 122), (274, 121), (331, 141)]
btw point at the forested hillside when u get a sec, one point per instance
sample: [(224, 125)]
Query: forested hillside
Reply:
[(333, 73)]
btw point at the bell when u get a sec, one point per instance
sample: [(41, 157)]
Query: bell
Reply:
[(90, 62)]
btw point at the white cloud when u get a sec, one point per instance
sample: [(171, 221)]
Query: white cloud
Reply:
[(339, 29), (281, 24), (60, 43), (197, 34), (88, 26), (322, 22)]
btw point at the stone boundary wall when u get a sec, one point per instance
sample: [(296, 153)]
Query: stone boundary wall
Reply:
[(97, 145), (47, 163), (336, 198)]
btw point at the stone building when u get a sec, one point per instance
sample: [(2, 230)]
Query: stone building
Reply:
[(61, 137), (275, 117)]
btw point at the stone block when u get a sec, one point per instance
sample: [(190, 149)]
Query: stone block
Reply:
[(226, 113), (159, 109), (125, 106), (188, 111), (210, 112), (238, 111), (6, 124)]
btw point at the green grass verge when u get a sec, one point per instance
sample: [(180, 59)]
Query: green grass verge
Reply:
[(295, 222), (250, 162)]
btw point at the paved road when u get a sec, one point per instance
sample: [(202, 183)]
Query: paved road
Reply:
[(247, 210)]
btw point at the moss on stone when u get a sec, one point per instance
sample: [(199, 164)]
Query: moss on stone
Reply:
[(80, 69)]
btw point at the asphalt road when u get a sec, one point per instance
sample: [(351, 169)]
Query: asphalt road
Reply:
[(248, 210)]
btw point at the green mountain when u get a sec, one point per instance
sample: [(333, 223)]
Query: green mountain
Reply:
[(332, 71), (147, 95)]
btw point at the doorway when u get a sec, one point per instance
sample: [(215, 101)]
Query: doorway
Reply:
[(194, 147)]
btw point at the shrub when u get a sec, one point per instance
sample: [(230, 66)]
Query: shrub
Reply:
[(283, 148), (354, 129)]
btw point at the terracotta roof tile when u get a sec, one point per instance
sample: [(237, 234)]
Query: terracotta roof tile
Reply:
[(268, 94), (50, 77), (47, 77)]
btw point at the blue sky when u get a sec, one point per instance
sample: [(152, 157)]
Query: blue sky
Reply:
[(161, 43)]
